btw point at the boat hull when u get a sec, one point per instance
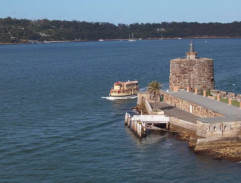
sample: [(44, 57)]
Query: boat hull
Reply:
[(122, 94)]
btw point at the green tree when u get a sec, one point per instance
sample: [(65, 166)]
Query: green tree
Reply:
[(154, 88)]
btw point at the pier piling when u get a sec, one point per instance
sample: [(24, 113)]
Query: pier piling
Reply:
[(140, 123)]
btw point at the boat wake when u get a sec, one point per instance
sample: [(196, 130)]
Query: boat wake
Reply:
[(120, 98)]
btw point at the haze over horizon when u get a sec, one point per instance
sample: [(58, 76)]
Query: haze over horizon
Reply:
[(124, 11)]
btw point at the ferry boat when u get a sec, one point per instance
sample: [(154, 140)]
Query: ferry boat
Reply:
[(123, 89)]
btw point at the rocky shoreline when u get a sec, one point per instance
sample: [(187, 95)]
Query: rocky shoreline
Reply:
[(229, 149)]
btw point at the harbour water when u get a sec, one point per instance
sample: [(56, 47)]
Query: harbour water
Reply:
[(55, 125)]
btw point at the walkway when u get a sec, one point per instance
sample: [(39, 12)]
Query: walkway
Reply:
[(172, 111)]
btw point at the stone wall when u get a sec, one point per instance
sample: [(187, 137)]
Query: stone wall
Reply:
[(195, 73), (216, 130), (190, 107), (183, 124)]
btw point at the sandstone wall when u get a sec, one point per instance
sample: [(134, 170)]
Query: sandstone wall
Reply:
[(183, 124), (217, 130), (195, 73)]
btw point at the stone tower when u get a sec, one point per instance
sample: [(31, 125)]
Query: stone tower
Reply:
[(192, 72)]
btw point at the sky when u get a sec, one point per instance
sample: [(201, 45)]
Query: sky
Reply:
[(124, 11)]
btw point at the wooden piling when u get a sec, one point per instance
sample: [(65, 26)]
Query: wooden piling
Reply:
[(138, 130), (129, 122), (126, 118), (133, 126)]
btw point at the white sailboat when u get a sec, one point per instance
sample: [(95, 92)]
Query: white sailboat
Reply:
[(132, 38)]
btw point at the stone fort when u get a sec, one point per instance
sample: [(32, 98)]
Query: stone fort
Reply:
[(192, 72)]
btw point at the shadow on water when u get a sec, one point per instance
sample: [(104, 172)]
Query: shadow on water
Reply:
[(152, 138)]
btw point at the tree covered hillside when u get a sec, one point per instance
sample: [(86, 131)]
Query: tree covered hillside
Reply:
[(22, 30)]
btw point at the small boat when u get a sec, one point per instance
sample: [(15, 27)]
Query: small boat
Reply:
[(123, 89), (132, 38)]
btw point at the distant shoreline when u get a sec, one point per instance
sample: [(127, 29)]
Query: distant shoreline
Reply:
[(138, 39), (22, 31)]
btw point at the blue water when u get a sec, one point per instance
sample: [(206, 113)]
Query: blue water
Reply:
[(55, 127)]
